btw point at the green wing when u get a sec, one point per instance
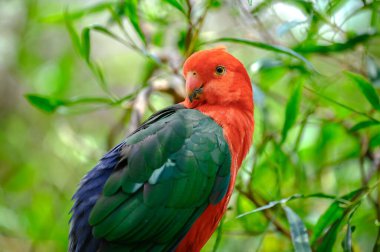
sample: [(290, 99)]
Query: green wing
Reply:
[(169, 171)]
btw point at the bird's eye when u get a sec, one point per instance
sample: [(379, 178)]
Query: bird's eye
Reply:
[(220, 70)]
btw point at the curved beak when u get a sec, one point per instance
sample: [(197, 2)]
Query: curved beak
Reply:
[(194, 86)]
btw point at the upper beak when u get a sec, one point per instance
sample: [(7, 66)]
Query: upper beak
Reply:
[(194, 86)]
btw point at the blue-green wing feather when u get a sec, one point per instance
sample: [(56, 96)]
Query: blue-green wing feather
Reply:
[(168, 172)]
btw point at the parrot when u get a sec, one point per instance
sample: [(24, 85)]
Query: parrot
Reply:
[(167, 185)]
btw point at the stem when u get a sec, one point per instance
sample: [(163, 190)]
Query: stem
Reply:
[(194, 28), (189, 34), (303, 125), (376, 204), (117, 128), (376, 248), (218, 235)]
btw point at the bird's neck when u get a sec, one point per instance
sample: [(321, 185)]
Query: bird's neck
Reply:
[(238, 124)]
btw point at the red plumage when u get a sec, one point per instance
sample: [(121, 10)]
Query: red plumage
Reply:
[(228, 99)]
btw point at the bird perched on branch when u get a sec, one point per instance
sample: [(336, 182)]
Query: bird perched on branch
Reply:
[(167, 185)]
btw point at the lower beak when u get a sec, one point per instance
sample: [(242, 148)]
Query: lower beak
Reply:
[(195, 94), (193, 86)]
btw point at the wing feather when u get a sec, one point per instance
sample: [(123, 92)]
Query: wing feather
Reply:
[(164, 176)]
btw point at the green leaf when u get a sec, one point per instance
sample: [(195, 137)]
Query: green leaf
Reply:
[(375, 141), (273, 48), (363, 125), (102, 29), (82, 100), (99, 74), (84, 49), (176, 5), (77, 13), (373, 71), (50, 105), (333, 213), (366, 88), (295, 196), (326, 196), (270, 205), (73, 34), (292, 109), (261, 6), (339, 104), (300, 238), (347, 242), (131, 11), (46, 104), (328, 240), (214, 4), (304, 6), (86, 44), (336, 47), (328, 225), (333, 6), (375, 13), (219, 235)]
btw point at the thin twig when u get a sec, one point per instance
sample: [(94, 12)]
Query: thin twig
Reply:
[(302, 128), (194, 28), (218, 235), (117, 128)]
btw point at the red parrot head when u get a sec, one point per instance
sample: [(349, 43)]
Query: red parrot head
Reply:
[(215, 77)]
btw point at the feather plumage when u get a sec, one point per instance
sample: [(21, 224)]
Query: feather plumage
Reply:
[(153, 186)]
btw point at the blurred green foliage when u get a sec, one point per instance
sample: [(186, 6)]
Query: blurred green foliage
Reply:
[(77, 76)]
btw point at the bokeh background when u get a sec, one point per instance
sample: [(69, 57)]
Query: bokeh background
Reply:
[(77, 76)]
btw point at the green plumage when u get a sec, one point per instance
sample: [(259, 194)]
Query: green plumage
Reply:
[(169, 171)]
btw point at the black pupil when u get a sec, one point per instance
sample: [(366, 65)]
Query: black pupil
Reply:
[(219, 69)]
